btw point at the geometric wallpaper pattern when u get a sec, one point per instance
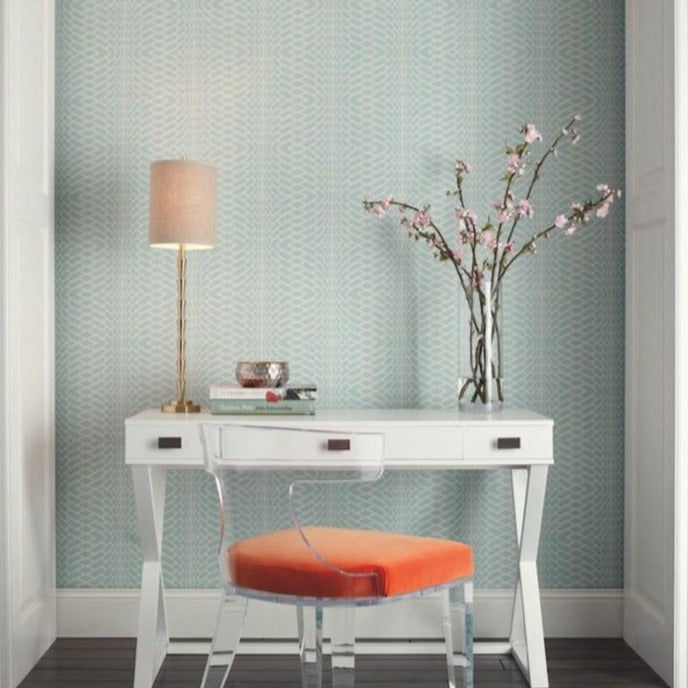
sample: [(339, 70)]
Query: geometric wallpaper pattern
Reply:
[(307, 108)]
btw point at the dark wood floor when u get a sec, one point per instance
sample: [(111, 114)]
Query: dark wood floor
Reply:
[(109, 663)]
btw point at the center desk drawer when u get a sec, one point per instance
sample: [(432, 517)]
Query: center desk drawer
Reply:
[(507, 442), (417, 445), (267, 447)]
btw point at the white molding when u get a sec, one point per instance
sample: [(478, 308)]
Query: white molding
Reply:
[(191, 614), (654, 414), (681, 340), (5, 627)]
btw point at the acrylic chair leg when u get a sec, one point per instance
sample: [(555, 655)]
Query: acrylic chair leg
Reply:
[(341, 621), (468, 633), (457, 622), (230, 621), (309, 623)]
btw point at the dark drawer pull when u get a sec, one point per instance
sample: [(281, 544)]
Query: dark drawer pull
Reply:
[(508, 443), (169, 442), (338, 445)]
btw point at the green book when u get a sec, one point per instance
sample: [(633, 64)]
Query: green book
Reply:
[(260, 407)]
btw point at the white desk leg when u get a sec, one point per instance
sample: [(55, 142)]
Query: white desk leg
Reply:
[(527, 633), (152, 636)]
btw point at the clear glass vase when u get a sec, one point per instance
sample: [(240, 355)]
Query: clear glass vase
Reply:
[(481, 385)]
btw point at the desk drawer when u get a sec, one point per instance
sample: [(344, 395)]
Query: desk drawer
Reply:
[(507, 442), (419, 445), (163, 443), (266, 447)]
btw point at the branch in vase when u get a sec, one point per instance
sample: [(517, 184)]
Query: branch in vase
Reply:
[(477, 267)]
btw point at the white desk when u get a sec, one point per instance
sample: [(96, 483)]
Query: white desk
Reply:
[(520, 441)]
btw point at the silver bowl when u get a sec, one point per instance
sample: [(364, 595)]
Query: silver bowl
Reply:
[(262, 373)]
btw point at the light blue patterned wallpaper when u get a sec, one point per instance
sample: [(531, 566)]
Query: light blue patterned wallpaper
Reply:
[(307, 107)]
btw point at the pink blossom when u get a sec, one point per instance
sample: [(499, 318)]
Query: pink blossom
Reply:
[(382, 207), (570, 229), (490, 241), (509, 246), (531, 134), (477, 237), (561, 221), (579, 213), (525, 209), (463, 167), (466, 214), (575, 138), (504, 210), (513, 163), (603, 210), (422, 219), (457, 254)]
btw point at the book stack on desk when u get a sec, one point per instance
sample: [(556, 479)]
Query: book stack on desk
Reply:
[(231, 398)]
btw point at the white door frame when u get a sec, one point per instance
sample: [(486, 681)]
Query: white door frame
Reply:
[(654, 344), (681, 366), (4, 590), (4, 492), (670, 583), (27, 467)]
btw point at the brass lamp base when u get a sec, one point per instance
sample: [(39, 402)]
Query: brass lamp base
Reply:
[(184, 406)]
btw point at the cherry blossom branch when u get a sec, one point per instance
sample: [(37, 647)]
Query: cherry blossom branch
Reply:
[(497, 255), (418, 228), (580, 214), (531, 135)]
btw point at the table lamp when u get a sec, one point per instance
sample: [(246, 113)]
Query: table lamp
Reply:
[(182, 217)]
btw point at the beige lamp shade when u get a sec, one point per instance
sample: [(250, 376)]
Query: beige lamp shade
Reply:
[(182, 204)]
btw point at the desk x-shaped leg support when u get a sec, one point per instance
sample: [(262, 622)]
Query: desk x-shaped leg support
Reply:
[(527, 635), (152, 636)]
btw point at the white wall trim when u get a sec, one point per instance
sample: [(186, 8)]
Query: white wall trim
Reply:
[(5, 626), (681, 335), (191, 614)]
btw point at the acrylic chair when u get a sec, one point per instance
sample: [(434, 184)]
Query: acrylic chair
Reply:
[(312, 562)]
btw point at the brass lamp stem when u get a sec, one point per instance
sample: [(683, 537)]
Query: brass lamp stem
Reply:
[(180, 405)]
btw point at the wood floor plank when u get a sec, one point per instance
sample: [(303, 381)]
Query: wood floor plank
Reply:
[(572, 663)]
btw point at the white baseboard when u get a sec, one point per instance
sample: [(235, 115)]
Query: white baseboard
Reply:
[(101, 613)]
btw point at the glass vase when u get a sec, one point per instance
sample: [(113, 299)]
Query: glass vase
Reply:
[(481, 385)]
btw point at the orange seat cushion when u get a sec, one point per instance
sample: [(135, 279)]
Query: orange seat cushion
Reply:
[(280, 562)]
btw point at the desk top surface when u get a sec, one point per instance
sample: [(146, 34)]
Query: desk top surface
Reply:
[(326, 416)]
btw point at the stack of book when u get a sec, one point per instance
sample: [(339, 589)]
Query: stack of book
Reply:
[(232, 398)]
